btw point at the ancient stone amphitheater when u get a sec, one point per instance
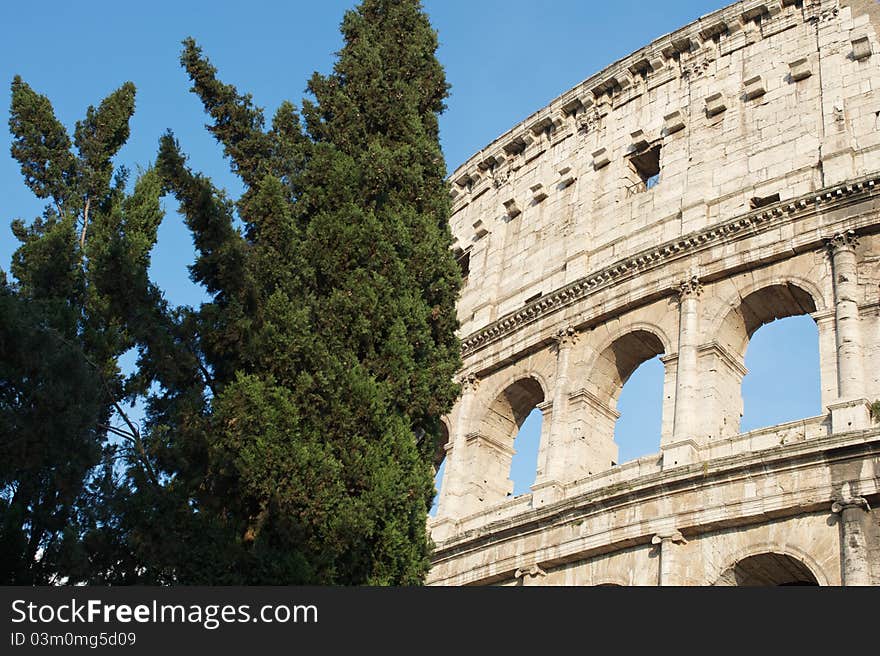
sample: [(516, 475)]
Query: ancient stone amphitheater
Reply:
[(722, 177)]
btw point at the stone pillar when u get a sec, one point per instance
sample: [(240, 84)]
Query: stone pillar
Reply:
[(529, 576), (669, 571), (850, 411), (683, 448), (452, 500), (855, 569), (552, 454)]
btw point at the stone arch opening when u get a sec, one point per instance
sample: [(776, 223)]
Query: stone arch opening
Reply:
[(599, 415), (782, 383), (524, 464), (760, 307), (766, 305), (439, 464), (491, 447), (768, 569)]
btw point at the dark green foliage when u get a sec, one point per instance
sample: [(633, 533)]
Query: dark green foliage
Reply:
[(874, 409), (79, 280), (293, 418), (329, 336)]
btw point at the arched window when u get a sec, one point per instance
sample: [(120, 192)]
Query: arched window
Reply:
[(767, 569), (637, 431), (492, 448), (613, 437), (783, 359), (524, 464), (783, 380)]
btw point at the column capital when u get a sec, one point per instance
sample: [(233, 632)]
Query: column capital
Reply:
[(565, 337), (675, 537), (843, 241), (529, 573), (689, 288), (469, 382), (851, 502)]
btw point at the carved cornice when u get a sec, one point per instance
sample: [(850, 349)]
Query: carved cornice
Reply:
[(589, 399), (479, 439), (752, 223), (731, 360)]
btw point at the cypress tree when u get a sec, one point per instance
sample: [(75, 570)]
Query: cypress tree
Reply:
[(64, 321), (301, 434)]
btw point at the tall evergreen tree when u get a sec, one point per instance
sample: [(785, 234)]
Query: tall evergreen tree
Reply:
[(63, 326), (301, 435), (295, 415)]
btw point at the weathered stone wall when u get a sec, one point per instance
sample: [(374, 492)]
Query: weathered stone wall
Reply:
[(720, 178)]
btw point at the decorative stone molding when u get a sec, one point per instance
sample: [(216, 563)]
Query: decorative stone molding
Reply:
[(510, 207), (674, 537), (587, 398), (752, 13), (731, 360), (715, 104), (469, 383), (565, 337), (567, 176), (477, 439), (800, 69), (754, 87), (572, 106), (820, 12), (690, 288), (527, 575), (848, 240), (713, 29), (754, 222), (673, 122), (545, 408), (590, 120), (852, 502), (695, 67), (681, 43), (539, 193), (639, 141)]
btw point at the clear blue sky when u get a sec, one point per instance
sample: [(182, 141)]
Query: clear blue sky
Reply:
[(504, 59)]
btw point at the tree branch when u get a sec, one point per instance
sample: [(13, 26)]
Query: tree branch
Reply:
[(82, 238)]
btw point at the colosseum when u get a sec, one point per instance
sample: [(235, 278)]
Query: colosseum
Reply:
[(720, 178)]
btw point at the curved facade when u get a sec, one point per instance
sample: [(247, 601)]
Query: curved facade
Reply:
[(722, 177)]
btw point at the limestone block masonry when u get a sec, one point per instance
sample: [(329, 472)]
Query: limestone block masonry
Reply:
[(722, 177)]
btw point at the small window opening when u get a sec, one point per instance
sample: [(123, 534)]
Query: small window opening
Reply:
[(762, 201), (647, 168), (531, 299)]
